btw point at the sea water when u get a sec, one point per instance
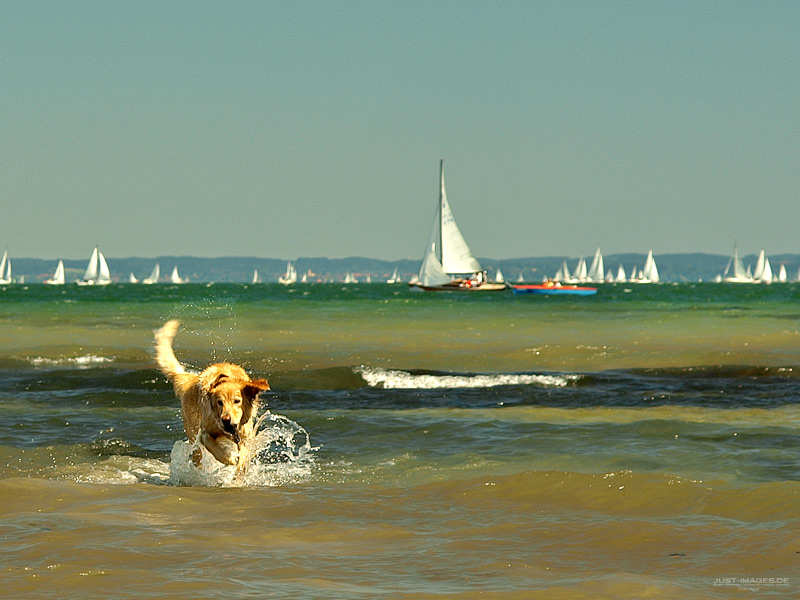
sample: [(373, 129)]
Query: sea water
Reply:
[(643, 442)]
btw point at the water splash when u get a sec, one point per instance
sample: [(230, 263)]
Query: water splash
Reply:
[(281, 454)]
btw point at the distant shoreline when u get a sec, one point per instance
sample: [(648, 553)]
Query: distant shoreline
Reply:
[(672, 267)]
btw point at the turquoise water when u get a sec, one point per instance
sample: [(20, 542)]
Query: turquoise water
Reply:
[(640, 442)]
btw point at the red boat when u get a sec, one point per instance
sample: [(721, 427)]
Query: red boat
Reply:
[(553, 288)]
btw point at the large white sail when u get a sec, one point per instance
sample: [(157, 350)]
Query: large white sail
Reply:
[(456, 257), (431, 272), (91, 269)]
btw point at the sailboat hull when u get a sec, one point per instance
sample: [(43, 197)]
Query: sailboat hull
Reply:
[(460, 286)]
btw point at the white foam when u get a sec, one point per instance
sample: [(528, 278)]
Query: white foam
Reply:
[(282, 454), (395, 379), (81, 361)]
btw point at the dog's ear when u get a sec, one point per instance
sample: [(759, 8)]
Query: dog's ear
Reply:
[(218, 380), (253, 388)]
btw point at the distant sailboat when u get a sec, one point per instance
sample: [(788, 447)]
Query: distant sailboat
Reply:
[(97, 272), (175, 277), (499, 278), (650, 271), (580, 273), (562, 274), (290, 276), (350, 278), (763, 272), (596, 272), (621, 276), (782, 276), (154, 275), (735, 271), (58, 276), (5, 269), (448, 257), (256, 278), (395, 278), (132, 278)]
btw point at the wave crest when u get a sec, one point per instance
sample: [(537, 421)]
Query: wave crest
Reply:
[(397, 379)]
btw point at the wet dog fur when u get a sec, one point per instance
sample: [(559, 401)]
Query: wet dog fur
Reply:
[(218, 405)]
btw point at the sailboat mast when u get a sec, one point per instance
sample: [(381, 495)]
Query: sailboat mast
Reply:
[(441, 209)]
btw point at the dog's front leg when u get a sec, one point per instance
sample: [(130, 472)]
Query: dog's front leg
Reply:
[(221, 447)]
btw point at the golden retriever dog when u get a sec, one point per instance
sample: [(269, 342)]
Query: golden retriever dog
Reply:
[(218, 405)]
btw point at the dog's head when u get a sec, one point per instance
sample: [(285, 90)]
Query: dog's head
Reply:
[(233, 400)]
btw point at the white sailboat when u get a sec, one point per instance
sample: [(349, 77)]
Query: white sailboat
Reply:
[(735, 271), (290, 276), (256, 278), (5, 269), (763, 272), (621, 276), (175, 277), (447, 256), (579, 275), (97, 272), (499, 277), (650, 271), (350, 278), (596, 272), (153, 278), (782, 276), (132, 278), (395, 278), (58, 276)]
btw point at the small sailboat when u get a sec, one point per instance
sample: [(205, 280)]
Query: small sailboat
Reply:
[(735, 271), (597, 271), (153, 278), (447, 256), (580, 273), (499, 277), (650, 271), (763, 272), (97, 272), (350, 278), (5, 269), (395, 278), (782, 276), (175, 277), (256, 278), (621, 276), (290, 276), (58, 276)]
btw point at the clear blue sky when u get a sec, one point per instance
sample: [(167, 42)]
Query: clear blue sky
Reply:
[(286, 129)]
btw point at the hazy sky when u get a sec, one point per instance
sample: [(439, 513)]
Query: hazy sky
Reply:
[(286, 129)]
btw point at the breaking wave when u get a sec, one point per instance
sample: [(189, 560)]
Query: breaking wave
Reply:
[(397, 379), (71, 361)]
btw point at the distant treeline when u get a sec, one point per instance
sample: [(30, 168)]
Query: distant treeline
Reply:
[(671, 267)]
